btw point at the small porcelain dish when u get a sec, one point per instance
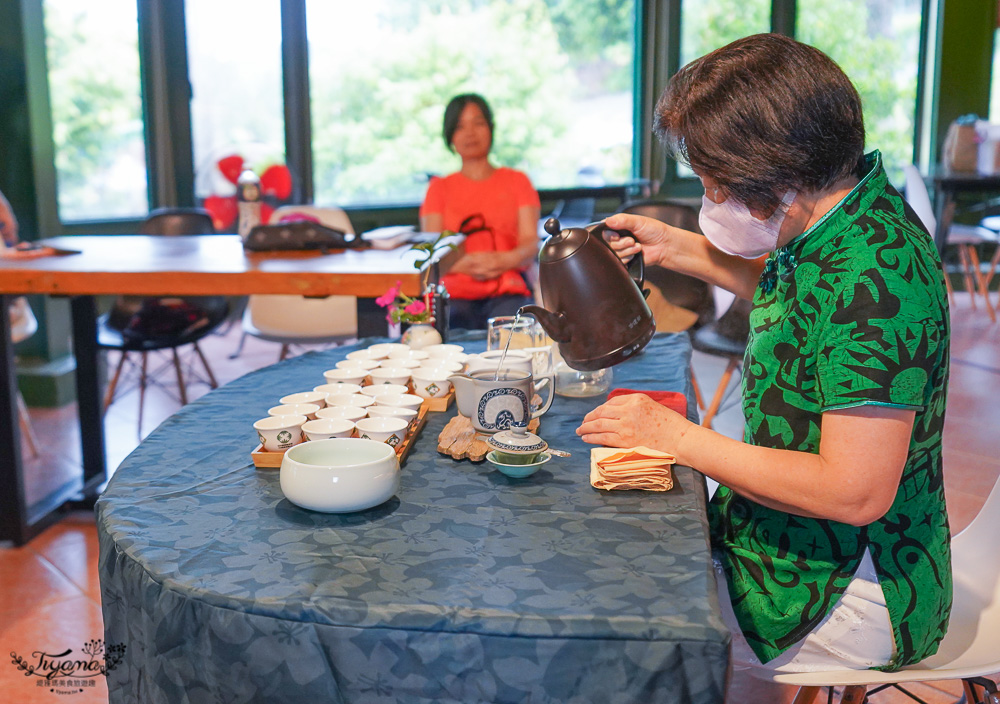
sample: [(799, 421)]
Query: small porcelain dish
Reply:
[(339, 475), (518, 471), (516, 445)]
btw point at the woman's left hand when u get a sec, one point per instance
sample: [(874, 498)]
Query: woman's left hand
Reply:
[(633, 420), (483, 265)]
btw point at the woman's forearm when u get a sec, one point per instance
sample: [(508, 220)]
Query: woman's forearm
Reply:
[(695, 256)]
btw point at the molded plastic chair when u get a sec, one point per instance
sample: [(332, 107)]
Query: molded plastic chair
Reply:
[(296, 320), (116, 330), (971, 648), (727, 338), (964, 238)]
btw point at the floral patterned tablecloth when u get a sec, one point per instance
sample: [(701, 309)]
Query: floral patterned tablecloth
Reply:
[(465, 587)]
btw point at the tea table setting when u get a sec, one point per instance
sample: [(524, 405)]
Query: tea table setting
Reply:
[(510, 578)]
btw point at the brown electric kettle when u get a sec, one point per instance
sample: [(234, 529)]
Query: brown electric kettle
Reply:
[(599, 314)]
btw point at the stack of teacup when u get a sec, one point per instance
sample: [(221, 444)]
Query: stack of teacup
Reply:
[(374, 393)]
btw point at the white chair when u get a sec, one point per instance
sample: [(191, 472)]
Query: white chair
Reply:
[(965, 238), (23, 325), (297, 320), (971, 648)]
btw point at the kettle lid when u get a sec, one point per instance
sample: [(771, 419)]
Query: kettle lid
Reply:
[(561, 243)]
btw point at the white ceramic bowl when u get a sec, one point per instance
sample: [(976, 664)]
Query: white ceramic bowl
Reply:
[(409, 353), (339, 475), (390, 375), (370, 353), (384, 349), (295, 409), (326, 428), (444, 350), (328, 389), (387, 429), (440, 365), (359, 400), (351, 375), (379, 389), (352, 413), (277, 433), (366, 364), (316, 397), (400, 363), (431, 383), (401, 400)]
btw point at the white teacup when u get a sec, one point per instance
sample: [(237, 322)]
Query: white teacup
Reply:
[(379, 389), (402, 400), (408, 354), (442, 364), (444, 350), (384, 349), (315, 397), (431, 383), (351, 375), (407, 414), (295, 409), (328, 389), (401, 362), (366, 364), (325, 428), (352, 413), (391, 431), (278, 433), (359, 400), (370, 353), (390, 375)]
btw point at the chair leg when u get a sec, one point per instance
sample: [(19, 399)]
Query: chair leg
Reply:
[(208, 370), (109, 395), (142, 392), (951, 291), (981, 283), (698, 399), (181, 389), (963, 255), (720, 392), (854, 694), (806, 695), (284, 351), (239, 347), (26, 429), (992, 270)]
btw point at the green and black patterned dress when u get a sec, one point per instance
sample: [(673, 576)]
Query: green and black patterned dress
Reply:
[(852, 312)]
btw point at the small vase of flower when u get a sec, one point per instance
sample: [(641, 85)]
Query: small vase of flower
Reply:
[(413, 313)]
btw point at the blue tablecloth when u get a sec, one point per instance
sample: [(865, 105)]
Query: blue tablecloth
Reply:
[(466, 587)]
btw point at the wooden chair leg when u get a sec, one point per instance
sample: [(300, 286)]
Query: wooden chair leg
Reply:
[(981, 282), (963, 255), (720, 392), (951, 291), (109, 394), (854, 694), (142, 391), (208, 370), (284, 351), (181, 388), (25, 422), (806, 695), (992, 270), (697, 390)]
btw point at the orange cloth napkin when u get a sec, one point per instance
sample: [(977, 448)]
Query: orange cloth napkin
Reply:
[(631, 468)]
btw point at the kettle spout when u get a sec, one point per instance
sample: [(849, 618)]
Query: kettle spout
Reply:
[(554, 324)]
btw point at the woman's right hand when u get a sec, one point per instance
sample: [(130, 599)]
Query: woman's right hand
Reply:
[(649, 236)]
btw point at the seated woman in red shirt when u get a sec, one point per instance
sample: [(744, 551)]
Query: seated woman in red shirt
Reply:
[(497, 209)]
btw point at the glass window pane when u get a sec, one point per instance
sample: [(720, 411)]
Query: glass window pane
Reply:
[(97, 128), (708, 24), (558, 75), (995, 80), (883, 69), (234, 64)]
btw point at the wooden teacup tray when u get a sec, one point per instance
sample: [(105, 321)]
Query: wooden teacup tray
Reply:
[(440, 404), (265, 459), (460, 441)]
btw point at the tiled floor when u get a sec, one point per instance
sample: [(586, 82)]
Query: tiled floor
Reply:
[(49, 589)]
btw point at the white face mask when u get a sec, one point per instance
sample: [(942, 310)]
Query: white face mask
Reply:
[(731, 227)]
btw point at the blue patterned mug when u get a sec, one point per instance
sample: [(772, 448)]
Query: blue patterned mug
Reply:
[(494, 404)]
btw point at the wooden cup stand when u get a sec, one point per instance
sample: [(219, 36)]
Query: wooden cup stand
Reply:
[(265, 459)]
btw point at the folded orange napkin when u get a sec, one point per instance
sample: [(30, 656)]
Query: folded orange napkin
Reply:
[(631, 468)]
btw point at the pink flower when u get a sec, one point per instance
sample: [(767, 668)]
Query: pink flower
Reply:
[(389, 297), (415, 308)]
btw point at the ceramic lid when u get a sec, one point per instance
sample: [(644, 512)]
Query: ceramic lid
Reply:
[(517, 440)]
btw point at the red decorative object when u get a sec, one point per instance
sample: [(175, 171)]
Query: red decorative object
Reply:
[(276, 187), (231, 167), (223, 211), (277, 181)]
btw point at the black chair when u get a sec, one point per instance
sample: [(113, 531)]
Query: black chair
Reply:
[(724, 337), (142, 325)]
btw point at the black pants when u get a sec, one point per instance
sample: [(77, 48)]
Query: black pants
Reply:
[(473, 314)]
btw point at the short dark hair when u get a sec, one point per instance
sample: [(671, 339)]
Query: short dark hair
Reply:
[(453, 112), (763, 115)]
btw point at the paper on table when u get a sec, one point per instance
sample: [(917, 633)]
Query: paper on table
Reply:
[(631, 468)]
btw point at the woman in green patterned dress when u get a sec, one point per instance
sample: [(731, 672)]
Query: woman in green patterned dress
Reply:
[(829, 522)]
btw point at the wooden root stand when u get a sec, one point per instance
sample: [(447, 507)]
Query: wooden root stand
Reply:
[(272, 460), (460, 441)]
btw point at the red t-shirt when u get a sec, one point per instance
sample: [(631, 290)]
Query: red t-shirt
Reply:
[(497, 199)]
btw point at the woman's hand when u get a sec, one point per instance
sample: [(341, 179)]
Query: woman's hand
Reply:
[(483, 266), (653, 238), (633, 420)]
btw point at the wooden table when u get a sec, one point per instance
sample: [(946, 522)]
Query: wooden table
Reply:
[(198, 265)]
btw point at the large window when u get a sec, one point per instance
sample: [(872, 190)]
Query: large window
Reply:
[(884, 71), (557, 73), (995, 80), (234, 63), (708, 24), (97, 127)]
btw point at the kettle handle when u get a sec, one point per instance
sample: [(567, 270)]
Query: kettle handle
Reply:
[(597, 229)]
